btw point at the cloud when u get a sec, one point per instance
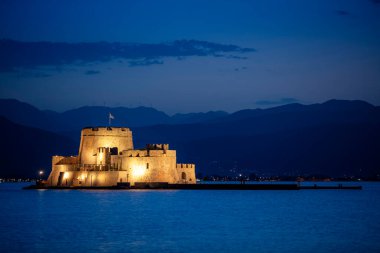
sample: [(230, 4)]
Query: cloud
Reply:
[(144, 62), (236, 57), (281, 101), (18, 54), (92, 72)]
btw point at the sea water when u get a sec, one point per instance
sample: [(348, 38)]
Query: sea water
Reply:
[(189, 220)]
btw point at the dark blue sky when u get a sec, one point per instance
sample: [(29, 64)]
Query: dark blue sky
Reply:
[(306, 51)]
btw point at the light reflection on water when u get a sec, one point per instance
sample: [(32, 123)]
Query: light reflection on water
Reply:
[(190, 220)]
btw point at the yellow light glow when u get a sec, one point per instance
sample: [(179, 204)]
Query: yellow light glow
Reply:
[(101, 156), (66, 175), (81, 177), (138, 171)]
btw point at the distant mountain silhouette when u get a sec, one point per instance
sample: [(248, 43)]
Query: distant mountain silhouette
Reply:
[(329, 150), (336, 138), (273, 120), (74, 120), (98, 115), (187, 118), (26, 114), (25, 150)]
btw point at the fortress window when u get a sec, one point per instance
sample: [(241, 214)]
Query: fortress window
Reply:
[(183, 175), (114, 151), (147, 165)]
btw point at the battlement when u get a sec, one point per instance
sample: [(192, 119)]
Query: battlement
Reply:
[(135, 153), (107, 131), (149, 153), (111, 151), (157, 146), (103, 149), (185, 166)]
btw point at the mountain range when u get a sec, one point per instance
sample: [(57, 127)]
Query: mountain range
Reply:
[(337, 138), (71, 120), (25, 150)]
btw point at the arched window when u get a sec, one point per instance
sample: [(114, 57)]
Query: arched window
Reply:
[(183, 176)]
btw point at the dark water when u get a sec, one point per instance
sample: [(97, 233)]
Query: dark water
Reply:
[(189, 221)]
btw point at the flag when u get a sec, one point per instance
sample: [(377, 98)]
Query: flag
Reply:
[(111, 116)]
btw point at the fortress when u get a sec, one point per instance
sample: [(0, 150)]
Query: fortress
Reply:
[(107, 158)]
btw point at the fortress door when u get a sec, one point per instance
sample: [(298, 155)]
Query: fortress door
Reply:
[(59, 183)]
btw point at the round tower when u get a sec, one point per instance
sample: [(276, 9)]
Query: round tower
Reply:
[(116, 139)]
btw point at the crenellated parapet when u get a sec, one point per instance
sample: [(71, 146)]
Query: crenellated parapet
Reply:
[(149, 153), (116, 131), (135, 153), (157, 146), (185, 166)]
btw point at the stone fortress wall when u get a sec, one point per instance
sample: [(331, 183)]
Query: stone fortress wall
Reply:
[(106, 157)]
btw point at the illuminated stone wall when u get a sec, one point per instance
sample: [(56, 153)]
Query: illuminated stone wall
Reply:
[(159, 166), (96, 137), (86, 178), (56, 171)]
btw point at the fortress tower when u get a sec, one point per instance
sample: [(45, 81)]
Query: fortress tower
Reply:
[(106, 157), (116, 139)]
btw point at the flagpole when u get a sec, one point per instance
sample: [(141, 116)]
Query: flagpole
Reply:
[(110, 117)]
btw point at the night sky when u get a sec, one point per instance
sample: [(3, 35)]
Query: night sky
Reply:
[(189, 56)]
